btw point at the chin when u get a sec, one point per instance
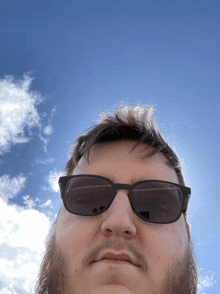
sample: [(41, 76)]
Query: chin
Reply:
[(111, 289)]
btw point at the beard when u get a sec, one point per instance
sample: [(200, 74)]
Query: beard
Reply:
[(182, 278)]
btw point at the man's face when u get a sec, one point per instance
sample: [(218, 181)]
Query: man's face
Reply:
[(160, 251)]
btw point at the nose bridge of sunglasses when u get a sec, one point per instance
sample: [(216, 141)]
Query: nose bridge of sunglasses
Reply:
[(121, 187), (121, 198)]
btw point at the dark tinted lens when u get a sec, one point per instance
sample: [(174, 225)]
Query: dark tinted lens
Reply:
[(86, 195), (158, 202)]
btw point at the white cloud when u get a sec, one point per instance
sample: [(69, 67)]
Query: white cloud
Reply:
[(23, 232), (19, 114), (22, 242), (9, 187), (53, 180), (18, 111)]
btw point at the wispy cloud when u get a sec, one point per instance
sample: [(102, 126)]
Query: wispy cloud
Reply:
[(9, 187), (19, 115), (40, 161), (30, 203), (48, 129), (23, 232), (47, 203), (206, 280)]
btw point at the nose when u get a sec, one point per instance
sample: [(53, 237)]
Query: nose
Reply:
[(119, 218)]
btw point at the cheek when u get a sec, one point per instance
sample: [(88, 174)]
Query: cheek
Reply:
[(74, 234), (167, 243), (173, 247)]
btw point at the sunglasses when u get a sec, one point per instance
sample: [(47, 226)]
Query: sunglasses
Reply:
[(153, 201)]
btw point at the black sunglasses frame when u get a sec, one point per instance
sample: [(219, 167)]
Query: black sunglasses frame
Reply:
[(186, 192)]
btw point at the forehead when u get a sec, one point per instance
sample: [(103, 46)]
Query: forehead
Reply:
[(118, 162)]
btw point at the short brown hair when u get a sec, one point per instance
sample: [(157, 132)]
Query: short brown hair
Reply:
[(126, 123)]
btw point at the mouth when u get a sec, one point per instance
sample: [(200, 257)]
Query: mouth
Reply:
[(116, 261), (122, 258)]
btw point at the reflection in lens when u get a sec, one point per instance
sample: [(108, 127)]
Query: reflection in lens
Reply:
[(87, 195), (157, 202), (95, 210)]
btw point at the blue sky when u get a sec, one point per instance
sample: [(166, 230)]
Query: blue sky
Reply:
[(64, 63)]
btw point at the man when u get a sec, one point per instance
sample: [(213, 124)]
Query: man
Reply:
[(122, 227)]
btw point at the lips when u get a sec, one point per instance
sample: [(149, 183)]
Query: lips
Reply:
[(118, 257)]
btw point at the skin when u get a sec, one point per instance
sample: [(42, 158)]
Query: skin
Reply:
[(160, 250)]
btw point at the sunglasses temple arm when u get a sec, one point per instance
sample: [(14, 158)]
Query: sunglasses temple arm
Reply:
[(62, 190), (186, 203)]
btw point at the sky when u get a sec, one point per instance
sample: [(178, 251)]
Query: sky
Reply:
[(64, 63)]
